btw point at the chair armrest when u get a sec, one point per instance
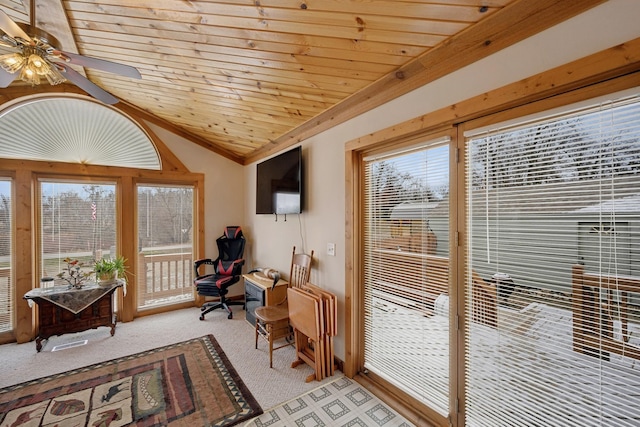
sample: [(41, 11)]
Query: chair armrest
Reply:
[(200, 262)]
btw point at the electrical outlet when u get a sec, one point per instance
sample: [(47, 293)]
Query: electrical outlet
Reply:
[(331, 249)]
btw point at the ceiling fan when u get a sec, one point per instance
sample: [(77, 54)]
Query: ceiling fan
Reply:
[(34, 54)]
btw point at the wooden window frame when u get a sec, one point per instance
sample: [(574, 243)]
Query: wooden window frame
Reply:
[(197, 244), (26, 174)]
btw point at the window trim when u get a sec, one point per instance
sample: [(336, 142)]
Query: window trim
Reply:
[(38, 179), (194, 244), (25, 174)]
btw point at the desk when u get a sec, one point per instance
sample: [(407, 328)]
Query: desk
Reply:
[(258, 293), (62, 310)]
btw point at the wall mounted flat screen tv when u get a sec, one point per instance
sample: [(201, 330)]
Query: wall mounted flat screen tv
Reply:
[(279, 184)]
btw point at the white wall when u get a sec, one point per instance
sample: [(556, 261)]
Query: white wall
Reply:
[(323, 220)]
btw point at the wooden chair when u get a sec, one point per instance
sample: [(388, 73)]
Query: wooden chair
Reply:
[(272, 322)]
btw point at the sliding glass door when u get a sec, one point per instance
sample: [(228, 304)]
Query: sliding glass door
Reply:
[(406, 271), (165, 245), (554, 238)]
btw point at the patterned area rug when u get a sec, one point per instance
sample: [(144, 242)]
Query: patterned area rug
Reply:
[(189, 383), (342, 402)]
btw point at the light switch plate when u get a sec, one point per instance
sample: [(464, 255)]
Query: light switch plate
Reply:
[(331, 249)]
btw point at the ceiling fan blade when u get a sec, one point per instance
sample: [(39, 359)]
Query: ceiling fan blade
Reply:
[(8, 43), (83, 83), (101, 64), (11, 28), (6, 78)]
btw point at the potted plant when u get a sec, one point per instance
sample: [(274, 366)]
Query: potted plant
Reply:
[(74, 273), (109, 269)]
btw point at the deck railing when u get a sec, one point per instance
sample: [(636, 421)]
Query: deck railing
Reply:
[(164, 278), (410, 279)]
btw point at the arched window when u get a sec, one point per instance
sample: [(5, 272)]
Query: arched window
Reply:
[(74, 129)]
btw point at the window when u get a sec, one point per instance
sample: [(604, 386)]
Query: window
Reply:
[(77, 221), (73, 129), (165, 239), (6, 284), (554, 231), (406, 271)]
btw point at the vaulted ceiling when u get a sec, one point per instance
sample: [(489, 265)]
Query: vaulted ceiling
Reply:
[(246, 78)]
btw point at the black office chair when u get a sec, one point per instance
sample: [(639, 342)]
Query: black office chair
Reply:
[(227, 271)]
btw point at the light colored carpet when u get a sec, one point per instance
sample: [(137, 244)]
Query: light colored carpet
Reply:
[(270, 387)]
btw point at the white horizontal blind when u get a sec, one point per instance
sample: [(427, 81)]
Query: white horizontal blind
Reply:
[(547, 201), (406, 239), (7, 289), (77, 221)]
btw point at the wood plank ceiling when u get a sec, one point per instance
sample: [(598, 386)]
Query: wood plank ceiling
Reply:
[(246, 78)]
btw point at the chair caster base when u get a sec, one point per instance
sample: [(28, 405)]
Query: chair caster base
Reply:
[(208, 308)]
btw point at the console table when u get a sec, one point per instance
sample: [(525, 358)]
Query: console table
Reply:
[(62, 310), (260, 292)]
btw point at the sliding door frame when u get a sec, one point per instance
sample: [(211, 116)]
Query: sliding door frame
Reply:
[(197, 244), (603, 73), (355, 281)]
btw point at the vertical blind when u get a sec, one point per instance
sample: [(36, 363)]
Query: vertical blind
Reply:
[(77, 221), (6, 281), (554, 231), (165, 236), (405, 271)]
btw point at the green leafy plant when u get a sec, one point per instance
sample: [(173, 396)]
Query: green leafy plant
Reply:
[(110, 268)]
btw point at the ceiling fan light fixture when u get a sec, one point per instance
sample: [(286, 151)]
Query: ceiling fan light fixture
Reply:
[(37, 57), (29, 74), (39, 65), (54, 76), (32, 66), (11, 62)]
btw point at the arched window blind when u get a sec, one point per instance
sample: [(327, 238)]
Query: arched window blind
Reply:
[(74, 129), (406, 271), (554, 231), (7, 290)]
